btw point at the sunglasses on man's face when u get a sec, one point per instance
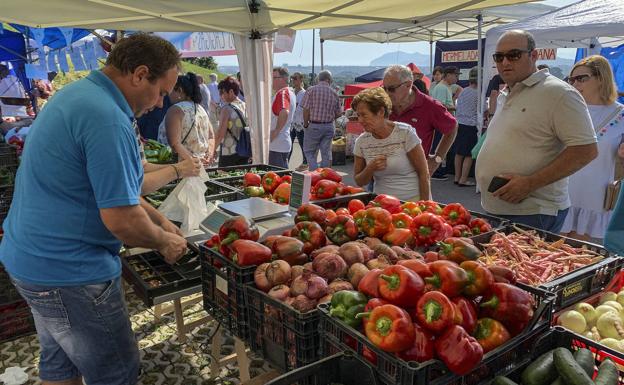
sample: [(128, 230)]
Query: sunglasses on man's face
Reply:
[(579, 78), (512, 55), (391, 89)]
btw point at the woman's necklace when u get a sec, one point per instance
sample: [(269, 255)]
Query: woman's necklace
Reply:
[(602, 131)]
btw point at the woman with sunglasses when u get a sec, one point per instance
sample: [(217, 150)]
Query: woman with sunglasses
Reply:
[(587, 217), (388, 152)]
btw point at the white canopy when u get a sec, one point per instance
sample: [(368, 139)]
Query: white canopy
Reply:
[(574, 26), (248, 18), (455, 25)]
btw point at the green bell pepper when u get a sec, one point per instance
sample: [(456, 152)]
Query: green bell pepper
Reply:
[(346, 304), (254, 191)]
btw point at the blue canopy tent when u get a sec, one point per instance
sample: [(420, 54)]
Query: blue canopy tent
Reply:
[(53, 37), (13, 50), (371, 76)]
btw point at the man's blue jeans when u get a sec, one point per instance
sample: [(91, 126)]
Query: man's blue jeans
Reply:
[(318, 137), (550, 223), (83, 331)]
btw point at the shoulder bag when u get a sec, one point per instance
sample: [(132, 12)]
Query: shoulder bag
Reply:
[(243, 142), (613, 188)]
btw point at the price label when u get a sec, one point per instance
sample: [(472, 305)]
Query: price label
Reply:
[(222, 285), (299, 189)]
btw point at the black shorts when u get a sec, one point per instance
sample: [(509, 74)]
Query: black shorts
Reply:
[(466, 140)]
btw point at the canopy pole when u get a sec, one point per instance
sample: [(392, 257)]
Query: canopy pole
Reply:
[(322, 61), (479, 73), (31, 83), (431, 54), (313, 40)]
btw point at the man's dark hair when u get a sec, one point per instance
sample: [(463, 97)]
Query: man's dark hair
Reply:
[(143, 49), (422, 87), (229, 83), (439, 69), (190, 86), (530, 40)]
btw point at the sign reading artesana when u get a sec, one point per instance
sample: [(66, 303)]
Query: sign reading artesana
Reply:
[(472, 55)]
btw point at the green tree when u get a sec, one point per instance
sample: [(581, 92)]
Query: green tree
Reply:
[(204, 62)]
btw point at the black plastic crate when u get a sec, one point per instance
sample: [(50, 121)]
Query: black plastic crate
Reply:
[(155, 281), (343, 368), (8, 155), (223, 291), (577, 284), (15, 321), (287, 338), (559, 337), (391, 370), (7, 175), (8, 292), (216, 191), (238, 171)]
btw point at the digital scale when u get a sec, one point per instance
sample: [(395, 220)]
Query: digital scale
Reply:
[(270, 218)]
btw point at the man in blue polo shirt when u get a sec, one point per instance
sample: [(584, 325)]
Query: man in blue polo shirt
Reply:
[(76, 200)]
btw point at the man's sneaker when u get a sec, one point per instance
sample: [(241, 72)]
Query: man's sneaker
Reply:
[(302, 167), (439, 177)]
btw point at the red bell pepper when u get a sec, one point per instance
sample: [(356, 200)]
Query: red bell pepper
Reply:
[(458, 250), (427, 229), (429, 207), (355, 205), (251, 179), (417, 266), (462, 231), (315, 177), (411, 208), (326, 189), (311, 234), (249, 253), (508, 304), (270, 181), (311, 212), (401, 220), (502, 274), (289, 249), (349, 190), (458, 350), (376, 222), (436, 312), (491, 334), (343, 211), (369, 284), (479, 226), (456, 214), (400, 286), (479, 278), (431, 256), (213, 243), (358, 218), (281, 194), (447, 277), (330, 214), (341, 229), (423, 347), (390, 328), (329, 174), (468, 311), (372, 304), (386, 202), (237, 227), (286, 179), (448, 230), (399, 237), (369, 355)]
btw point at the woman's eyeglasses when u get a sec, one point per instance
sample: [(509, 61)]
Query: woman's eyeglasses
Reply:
[(391, 89), (579, 78), (512, 55)]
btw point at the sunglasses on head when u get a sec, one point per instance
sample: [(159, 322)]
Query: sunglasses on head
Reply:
[(579, 78), (391, 89), (512, 55)]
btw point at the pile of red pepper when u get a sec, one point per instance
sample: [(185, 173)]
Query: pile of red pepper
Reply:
[(441, 309)]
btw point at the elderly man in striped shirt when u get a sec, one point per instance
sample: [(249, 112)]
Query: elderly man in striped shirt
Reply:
[(321, 106)]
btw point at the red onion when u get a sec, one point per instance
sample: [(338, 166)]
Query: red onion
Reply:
[(278, 272), (260, 278), (279, 292), (351, 253), (330, 266), (326, 299), (317, 287), (339, 285), (299, 285), (356, 272), (295, 271), (325, 249), (303, 303), (289, 301), (308, 266)]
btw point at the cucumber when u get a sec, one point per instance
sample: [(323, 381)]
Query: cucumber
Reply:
[(542, 371), (558, 381), (502, 380), (570, 371), (585, 359), (607, 373)]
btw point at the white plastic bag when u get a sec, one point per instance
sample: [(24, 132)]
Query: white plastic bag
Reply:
[(187, 203), (14, 376)]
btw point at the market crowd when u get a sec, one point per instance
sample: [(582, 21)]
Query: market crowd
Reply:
[(546, 158)]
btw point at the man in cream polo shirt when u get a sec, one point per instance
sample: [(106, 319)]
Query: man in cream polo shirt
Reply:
[(541, 134)]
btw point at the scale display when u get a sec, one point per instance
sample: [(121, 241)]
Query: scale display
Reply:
[(213, 222)]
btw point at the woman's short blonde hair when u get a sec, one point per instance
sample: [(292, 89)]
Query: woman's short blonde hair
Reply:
[(375, 99), (601, 69)]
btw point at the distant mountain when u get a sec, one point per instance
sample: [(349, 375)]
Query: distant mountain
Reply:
[(401, 57)]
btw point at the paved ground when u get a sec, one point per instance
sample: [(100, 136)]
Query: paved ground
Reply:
[(443, 191)]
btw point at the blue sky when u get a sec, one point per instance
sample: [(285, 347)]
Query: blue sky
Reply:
[(342, 53)]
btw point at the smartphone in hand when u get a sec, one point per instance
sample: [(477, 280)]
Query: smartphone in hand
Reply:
[(496, 183)]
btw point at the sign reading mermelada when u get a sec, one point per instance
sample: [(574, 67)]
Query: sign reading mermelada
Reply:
[(473, 55)]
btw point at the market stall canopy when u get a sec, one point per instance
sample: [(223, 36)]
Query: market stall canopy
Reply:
[(354, 89), (54, 37), (455, 25), (237, 16)]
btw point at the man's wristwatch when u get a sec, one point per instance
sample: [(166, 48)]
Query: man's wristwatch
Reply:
[(437, 158)]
